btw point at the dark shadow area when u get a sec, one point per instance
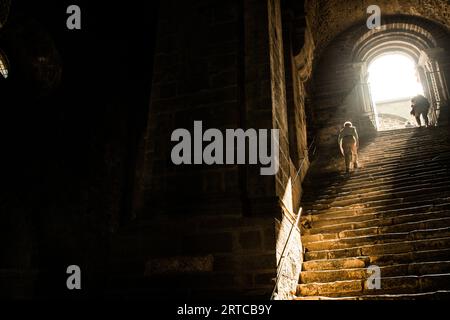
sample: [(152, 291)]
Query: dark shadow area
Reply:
[(74, 107)]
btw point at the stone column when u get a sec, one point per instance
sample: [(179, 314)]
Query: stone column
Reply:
[(360, 101), (440, 56), (265, 99)]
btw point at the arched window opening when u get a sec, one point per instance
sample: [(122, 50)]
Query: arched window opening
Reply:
[(393, 80)]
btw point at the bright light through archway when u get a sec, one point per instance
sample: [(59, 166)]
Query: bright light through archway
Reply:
[(392, 77)]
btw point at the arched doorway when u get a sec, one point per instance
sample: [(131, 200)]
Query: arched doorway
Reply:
[(393, 80)]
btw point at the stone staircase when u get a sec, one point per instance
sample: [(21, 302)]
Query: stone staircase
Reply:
[(393, 213)]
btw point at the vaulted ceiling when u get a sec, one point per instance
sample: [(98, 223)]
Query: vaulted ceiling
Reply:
[(328, 18)]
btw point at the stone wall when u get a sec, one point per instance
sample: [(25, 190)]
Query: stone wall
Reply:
[(196, 77), (222, 63), (278, 96), (289, 256), (214, 257), (295, 104)]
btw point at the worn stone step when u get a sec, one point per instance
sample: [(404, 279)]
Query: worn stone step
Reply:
[(409, 257), (349, 201), (392, 145), (377, 239), (370, 201), (399, 138), (386, 198), (363, 212), (395, 201), (380, 225), (340, 180), (350, 287), (411, 131), (379, 260), (331, 264), (381, 166), (338, 218), (374, 187), (398, 151), (416, 268), (387, 162), (362, 195), (367, 186), (435, 295), (380, 249), (402, 284), (361, 176)]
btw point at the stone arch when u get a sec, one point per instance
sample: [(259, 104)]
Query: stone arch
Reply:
[(402, 32), (340, 90), (413, 40)]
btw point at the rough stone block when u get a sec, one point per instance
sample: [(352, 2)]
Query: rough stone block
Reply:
[(209, 243), (250, 240), (169, 265)]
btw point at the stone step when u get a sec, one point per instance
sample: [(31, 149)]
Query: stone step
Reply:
[(410, 131), (387, 150), (343, 182), (386, 199), (331, 264), (372, 161), (382, 204), (364, 175), (362, 195), (436, 295), (380, 249), (377, 239), (396, 152), (402, 156), (361, 215), (402, 284), (343, 191), (376, 142), (401, 223), (410, 257), (338, 179), (416, 268), (379, 260), (399, 148), (407, 134), (341, 185), (363, 211)]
